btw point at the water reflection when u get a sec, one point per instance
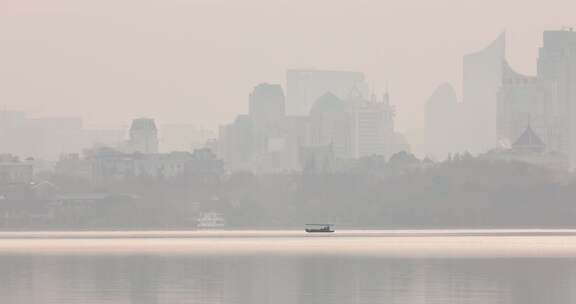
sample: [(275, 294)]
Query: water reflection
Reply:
[(38, 278)]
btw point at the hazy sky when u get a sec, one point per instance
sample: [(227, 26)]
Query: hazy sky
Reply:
[(188, 61)]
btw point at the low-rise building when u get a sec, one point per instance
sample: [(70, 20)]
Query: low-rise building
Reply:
[(13, 170), (105, 165)]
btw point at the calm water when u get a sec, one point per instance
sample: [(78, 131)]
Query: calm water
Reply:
[(289, 267)]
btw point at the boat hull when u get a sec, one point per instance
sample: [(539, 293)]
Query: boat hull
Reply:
[(318, 231)]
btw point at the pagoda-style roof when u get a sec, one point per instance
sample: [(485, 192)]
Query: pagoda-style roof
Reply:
[(529, 141)]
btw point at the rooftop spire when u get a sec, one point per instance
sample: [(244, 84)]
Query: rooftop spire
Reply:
[(386, 96)]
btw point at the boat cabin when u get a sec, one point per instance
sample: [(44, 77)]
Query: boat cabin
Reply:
[(320, 228)]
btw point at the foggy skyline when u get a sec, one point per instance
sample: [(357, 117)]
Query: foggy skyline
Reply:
[(197, 61)]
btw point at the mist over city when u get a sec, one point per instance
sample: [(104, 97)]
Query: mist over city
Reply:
[(287, 151)]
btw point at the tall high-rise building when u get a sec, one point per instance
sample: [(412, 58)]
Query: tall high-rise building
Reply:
[(304, 87), (235, 143), (482, 77), (143, 136), (557, 69), (267, 103), (443, 114), (524, 100), (373, 127), (331, 125), (354, 127), (258, 141), (267, 114), (546, 103)]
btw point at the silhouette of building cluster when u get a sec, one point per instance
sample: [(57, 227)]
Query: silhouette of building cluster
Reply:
[(500, 105), (304, 87), (330, 112), (137, 157), (332, 115)]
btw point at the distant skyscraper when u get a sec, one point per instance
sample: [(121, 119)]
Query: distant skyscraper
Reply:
[(482, 77), (557, 69), (267, 103), (267, 114), (373, 127), (354, 127), (331, 125), (258, 141), (546, 102), (269, 127), (304, 87), (443, 123), (524, 100), (144, 136), (235, 143), (298, 134)]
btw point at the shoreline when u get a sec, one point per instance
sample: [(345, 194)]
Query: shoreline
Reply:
[(280, 233)]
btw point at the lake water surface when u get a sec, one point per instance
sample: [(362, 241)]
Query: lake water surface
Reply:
[(253, 267)]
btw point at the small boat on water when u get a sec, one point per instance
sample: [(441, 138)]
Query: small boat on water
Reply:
[(319, 228)]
